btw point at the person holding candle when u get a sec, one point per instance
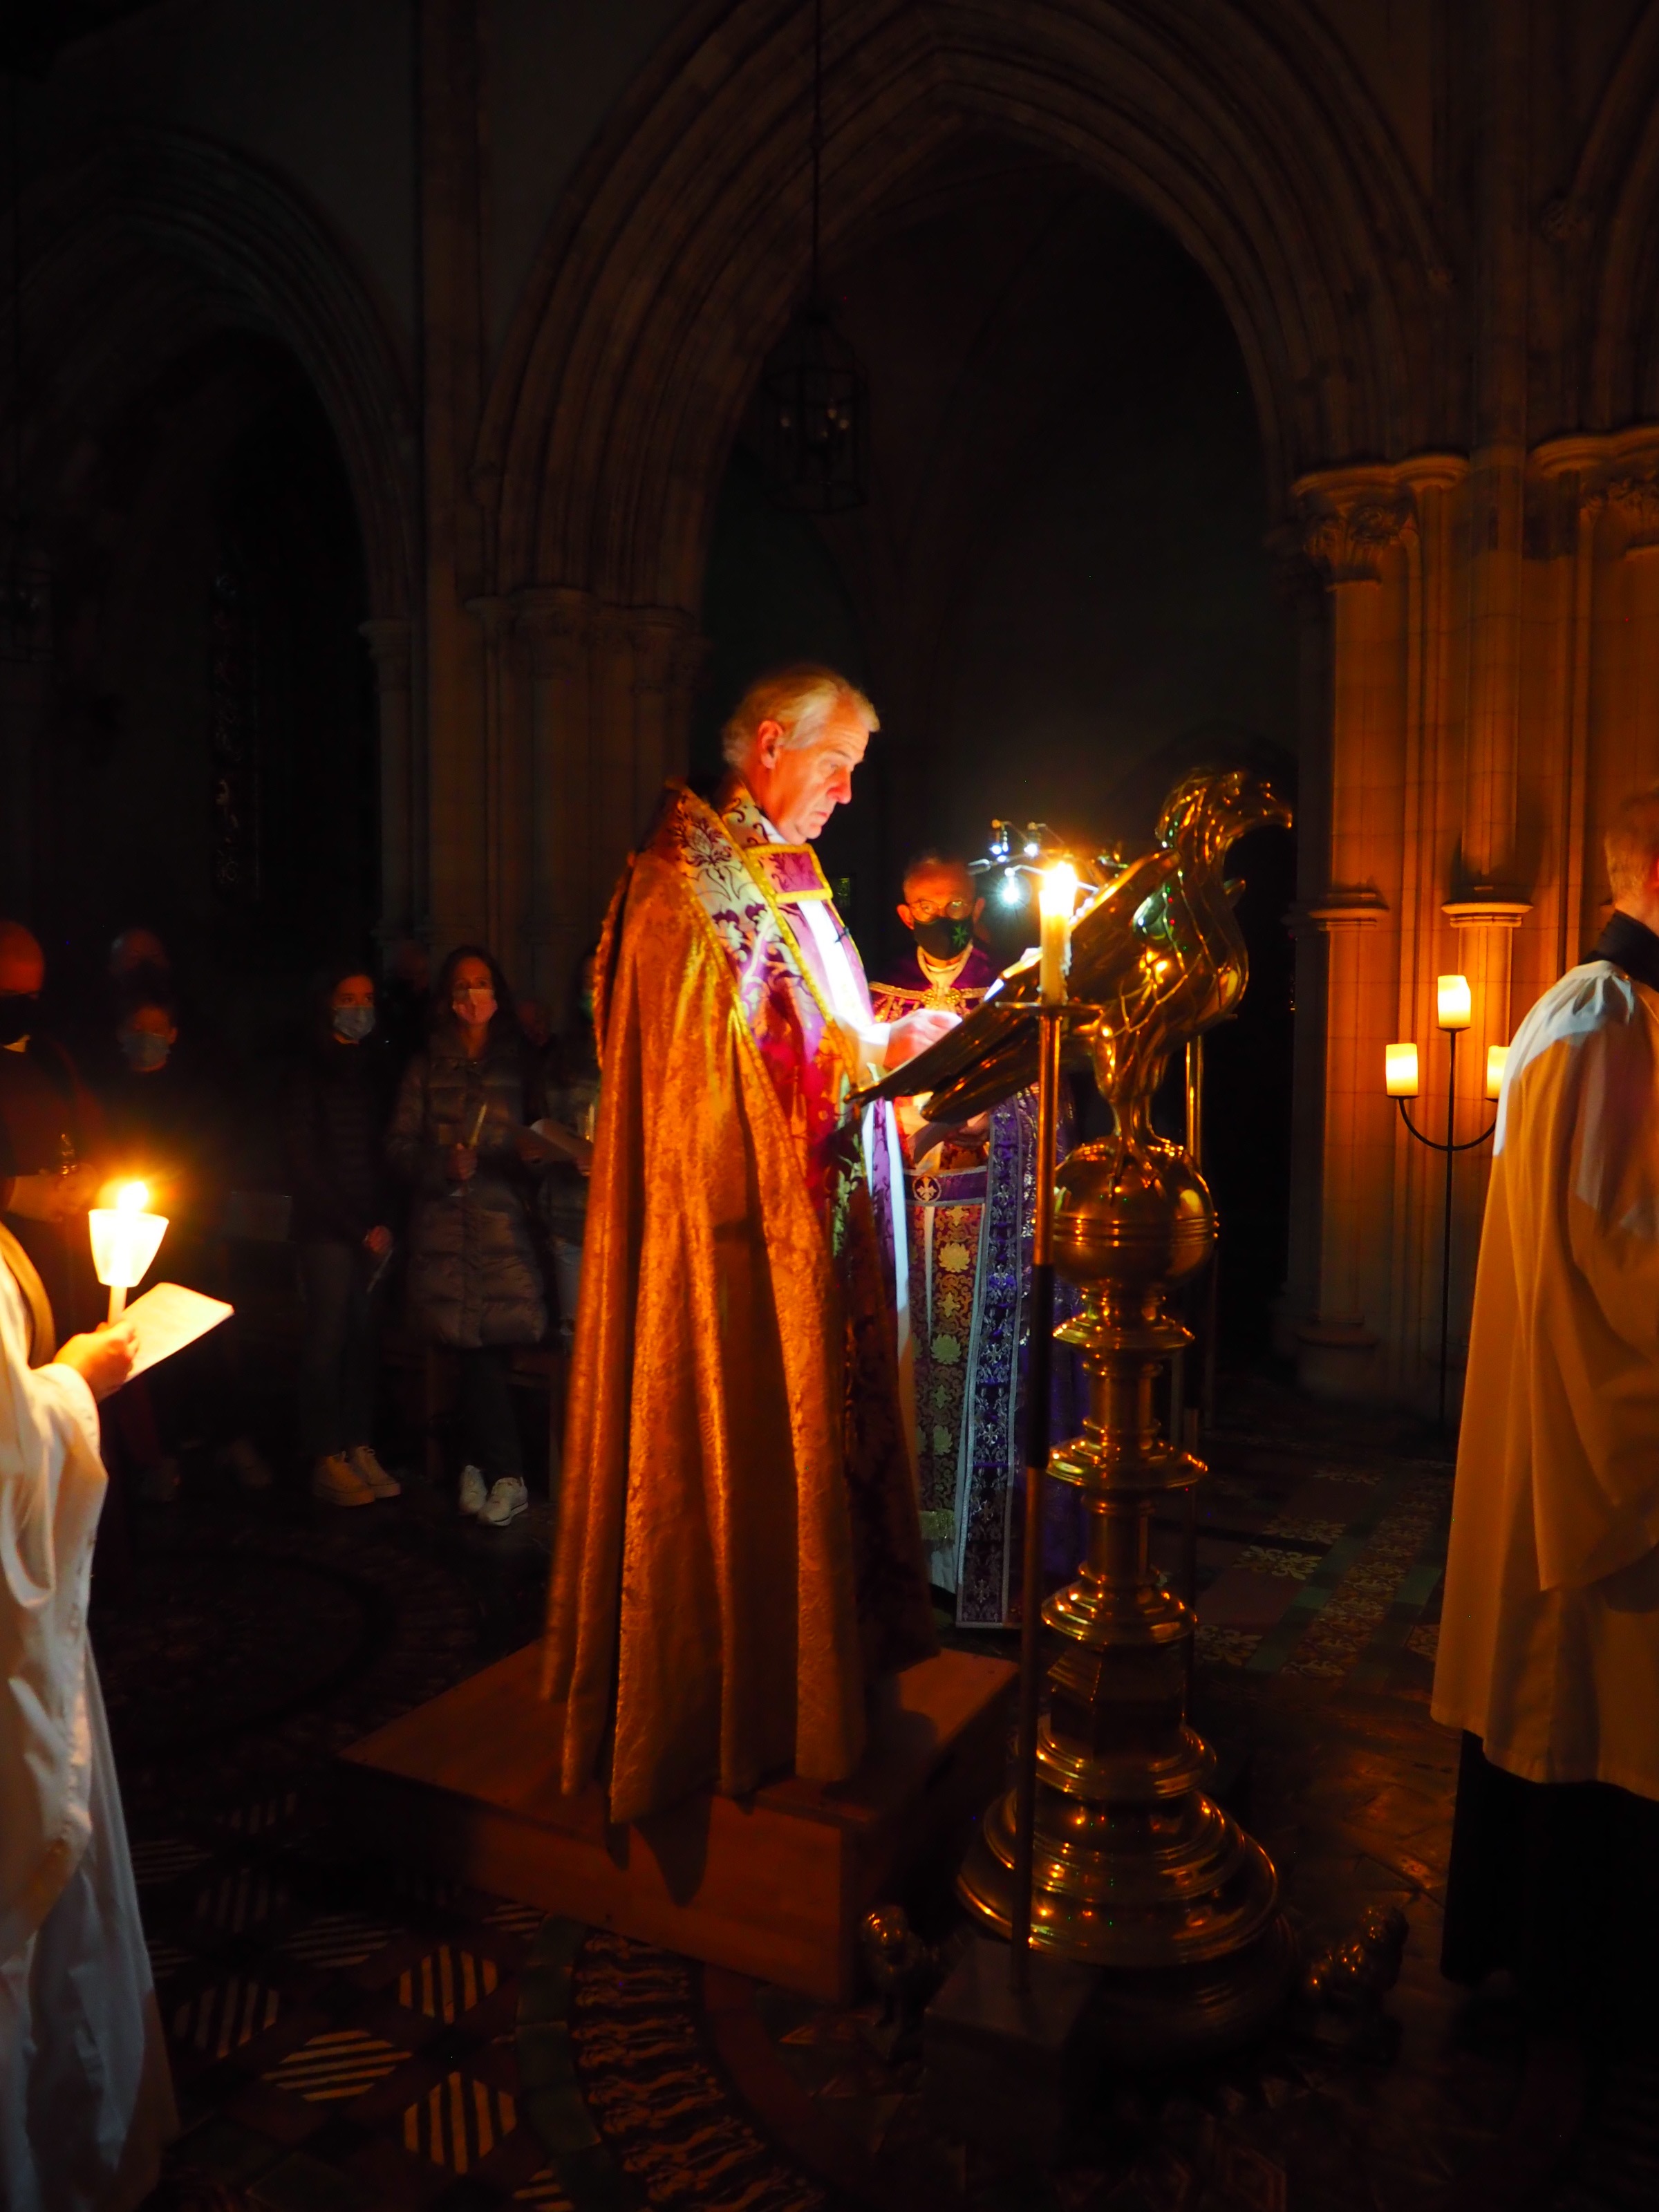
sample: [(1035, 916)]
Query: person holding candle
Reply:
[(52, 1140), (86, 2100), (736, 1429), (1548, 1658), (460, 1138)]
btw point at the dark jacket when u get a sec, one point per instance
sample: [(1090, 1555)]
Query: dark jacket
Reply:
[(334, 1128), (474, 1275)]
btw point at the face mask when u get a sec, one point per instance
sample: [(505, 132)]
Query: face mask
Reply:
[(353, 1022), (474, 1007), (943, 939), (144, 1050), (17, 1017)]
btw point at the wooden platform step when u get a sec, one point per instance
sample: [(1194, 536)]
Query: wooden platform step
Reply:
[(774, 1886)]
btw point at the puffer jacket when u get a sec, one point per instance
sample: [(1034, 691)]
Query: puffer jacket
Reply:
[(474, 1275)]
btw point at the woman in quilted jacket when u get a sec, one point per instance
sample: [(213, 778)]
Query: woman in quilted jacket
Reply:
[(461, 1139)]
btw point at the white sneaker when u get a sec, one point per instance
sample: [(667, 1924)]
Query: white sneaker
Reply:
[(473, 1493), (508, 1498), (369, 1472)]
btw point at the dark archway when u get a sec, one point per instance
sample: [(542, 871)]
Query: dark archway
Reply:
[(212, 762)]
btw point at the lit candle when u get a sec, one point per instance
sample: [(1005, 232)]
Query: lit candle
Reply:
[(1400, 1070), (1455, 1009), (124, 1240), (1055, 903), (1496, 1060)]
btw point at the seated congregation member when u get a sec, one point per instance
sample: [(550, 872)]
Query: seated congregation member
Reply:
[(53, 1140), (736, 1430), (1548, 1655), (338, 1108), (460, 1138), (86, 2101), (970, 1271)]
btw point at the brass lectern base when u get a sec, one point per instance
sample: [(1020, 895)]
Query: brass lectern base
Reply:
[(1159, 2015)]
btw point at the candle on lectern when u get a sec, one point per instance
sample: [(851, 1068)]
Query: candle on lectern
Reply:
[(1056, 900), (1496, 1060), (1457, 1009), (124, 1240), (1400, 1070)]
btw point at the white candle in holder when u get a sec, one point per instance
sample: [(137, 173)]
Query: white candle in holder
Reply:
[(125, 1241), (1056, 901), (1400, 1070)]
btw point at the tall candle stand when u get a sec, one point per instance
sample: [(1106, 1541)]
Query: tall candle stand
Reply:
[(1455, 1011)]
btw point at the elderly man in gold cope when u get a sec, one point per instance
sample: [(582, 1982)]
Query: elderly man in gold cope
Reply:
[(1549, 1641), (739, 1556)]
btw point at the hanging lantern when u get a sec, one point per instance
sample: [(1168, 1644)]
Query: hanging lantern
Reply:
[(814, 399), (815, 410)]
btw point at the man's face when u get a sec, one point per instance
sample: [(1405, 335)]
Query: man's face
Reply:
[(799, 789), (940, 891)]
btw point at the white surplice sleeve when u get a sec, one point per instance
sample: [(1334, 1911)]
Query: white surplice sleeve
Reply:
[(51, 1491)]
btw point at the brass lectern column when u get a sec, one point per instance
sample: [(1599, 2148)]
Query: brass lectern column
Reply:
[(1135, 1868)]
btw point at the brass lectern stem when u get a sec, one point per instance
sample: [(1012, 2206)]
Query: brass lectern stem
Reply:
[(1040, 1352)]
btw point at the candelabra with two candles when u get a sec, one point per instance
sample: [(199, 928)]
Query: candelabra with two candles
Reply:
[(1454, 1011)]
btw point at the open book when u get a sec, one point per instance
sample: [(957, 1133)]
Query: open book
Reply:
[(168, 1318)]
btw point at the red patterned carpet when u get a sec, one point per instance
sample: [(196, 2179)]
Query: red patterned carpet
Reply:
[(347, 2039)]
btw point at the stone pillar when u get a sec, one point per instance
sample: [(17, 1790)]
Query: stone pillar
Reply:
[(1355, 521), (556, 623), (389, 645), (452, 339)]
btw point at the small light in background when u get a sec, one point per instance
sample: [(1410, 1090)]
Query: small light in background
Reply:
[(1497, 1059), (1456, 1008), (1400, 1070)]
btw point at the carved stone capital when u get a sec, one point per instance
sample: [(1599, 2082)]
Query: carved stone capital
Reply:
[(390, 641), (557, 622), (1350, 520), (1346, 906), (668, 651), (1635, 500)]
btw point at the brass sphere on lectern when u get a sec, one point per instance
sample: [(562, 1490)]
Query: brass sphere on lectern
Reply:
[(1133, 1216), (1135, 1868)]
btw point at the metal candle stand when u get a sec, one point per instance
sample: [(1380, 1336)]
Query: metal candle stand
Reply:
[(1448, 1148)]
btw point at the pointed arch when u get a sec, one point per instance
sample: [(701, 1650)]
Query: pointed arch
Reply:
[(677, 254)]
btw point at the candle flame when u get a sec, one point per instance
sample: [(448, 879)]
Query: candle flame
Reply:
[(132, 1198), (1058, 893)]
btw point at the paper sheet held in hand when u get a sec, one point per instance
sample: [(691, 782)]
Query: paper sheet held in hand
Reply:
[(168, 1318)]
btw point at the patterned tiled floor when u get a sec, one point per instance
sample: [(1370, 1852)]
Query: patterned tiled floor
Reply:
[(346, 2041)]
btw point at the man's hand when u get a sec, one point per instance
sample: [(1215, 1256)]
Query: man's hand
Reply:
[(378, 1241), (916, 1032), (102, 1360), (461, 1162)]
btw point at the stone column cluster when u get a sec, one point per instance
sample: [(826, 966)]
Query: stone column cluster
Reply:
[(1489, 695)]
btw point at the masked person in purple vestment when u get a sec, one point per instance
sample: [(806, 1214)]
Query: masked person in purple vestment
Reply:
[(971, 1198), (738, 1558)]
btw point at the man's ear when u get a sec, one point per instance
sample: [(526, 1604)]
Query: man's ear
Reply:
[(979, 908), (768, 740), (905, 915)]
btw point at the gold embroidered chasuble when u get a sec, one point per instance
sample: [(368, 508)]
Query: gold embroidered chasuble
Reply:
[(739, 1553)]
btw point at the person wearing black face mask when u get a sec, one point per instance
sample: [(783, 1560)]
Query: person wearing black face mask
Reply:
[(945, 966), (971, 1230)]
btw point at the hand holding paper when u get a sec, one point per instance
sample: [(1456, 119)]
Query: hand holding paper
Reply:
[(168, 1318)]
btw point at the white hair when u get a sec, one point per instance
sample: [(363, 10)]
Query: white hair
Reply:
[(800, 700)]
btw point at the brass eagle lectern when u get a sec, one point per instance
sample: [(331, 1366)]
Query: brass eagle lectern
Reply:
[(1133, 1868)]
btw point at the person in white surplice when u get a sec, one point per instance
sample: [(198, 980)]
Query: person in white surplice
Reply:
[(1549, 1640), (86, 2099)]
